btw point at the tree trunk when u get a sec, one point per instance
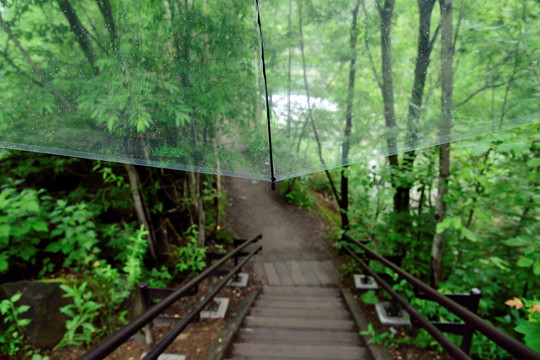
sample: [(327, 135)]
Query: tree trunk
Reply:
[(201, 215), (138, 204), (35, 68), (425, 46), (106, 11), (308, 100), (344, 203), (81, 34), (447, 57), (289, 73), (387, 13)]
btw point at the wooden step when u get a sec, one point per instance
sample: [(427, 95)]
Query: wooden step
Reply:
[(288, 336), (301, 313), (300, 298), (299, 305), (299, 323), (301, 290), (286, 351)]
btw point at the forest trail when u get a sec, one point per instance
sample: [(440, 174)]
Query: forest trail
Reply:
[(289, 233), (300, 313), (295, 251)]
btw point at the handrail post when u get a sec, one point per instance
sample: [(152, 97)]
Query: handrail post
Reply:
[(145, 301), (468, 332)]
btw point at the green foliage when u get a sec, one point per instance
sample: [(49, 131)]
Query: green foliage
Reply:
[(384, 338), (158, 278), (190, 258), (296, 192), (369, 297), (12, 339), (23, 225), (80, 329), (75, 231), (530, 327)]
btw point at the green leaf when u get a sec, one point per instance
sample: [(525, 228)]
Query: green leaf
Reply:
[(533, 163), (452, 222), (468, 234), (531, 330), (518, 148), (524, 262), (518, 241), (480, 149), (41, 226), (4, 264), (369, 297), (536, 268)]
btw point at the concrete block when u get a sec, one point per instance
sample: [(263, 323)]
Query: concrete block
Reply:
[(219, 313), (361, 283), (401, 320), (240, 280)]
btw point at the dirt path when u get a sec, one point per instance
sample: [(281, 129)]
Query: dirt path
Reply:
[(289, 233)]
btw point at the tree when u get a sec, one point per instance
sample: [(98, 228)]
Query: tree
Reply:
[(447, 77)]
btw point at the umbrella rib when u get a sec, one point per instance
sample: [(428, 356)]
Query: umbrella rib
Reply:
[(272, 175)]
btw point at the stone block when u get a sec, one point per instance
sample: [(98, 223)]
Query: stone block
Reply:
[(45, 300)]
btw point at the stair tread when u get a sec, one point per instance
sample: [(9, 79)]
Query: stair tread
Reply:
[(309, 313), (288, 336), (301, 298), (286, 351), (301, 290), (299, 305), (299, 323)]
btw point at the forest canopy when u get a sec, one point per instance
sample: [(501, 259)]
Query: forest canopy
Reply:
[(163, 84)]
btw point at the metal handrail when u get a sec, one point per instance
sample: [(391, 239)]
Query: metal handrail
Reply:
[(500, 338), (108, 345), (181, 325)]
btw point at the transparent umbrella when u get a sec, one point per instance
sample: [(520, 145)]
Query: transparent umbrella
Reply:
[(179, 84)]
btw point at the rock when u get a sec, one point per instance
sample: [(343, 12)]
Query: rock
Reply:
[(45, 299)]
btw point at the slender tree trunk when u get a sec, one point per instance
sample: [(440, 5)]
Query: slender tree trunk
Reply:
[(35, 68), (425, 46), (106, 11), (289, 73), (387, 88), (308, 100), (81, 34), (138, 204), (344, 203), (201, 214), (447, 75)]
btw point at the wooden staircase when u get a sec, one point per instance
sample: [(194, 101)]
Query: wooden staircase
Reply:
[(298, 321)]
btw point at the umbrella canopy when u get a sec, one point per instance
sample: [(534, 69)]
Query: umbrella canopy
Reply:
[(180, 83)]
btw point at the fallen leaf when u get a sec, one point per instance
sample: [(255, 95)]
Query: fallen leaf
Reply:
[(515, 302), (535, 308)]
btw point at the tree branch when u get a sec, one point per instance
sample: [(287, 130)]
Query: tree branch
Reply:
[(36, 69), (477, 91)]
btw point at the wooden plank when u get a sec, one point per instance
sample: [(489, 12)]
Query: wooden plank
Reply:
[(301, 298), (283, 273), (296, 273), (271, 275), (287, 336), (301, 290), (258, 269), (276, 351), (311, 278), (300, 323), (321, 273), (299, 305), (307, 313), (331, 271)]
